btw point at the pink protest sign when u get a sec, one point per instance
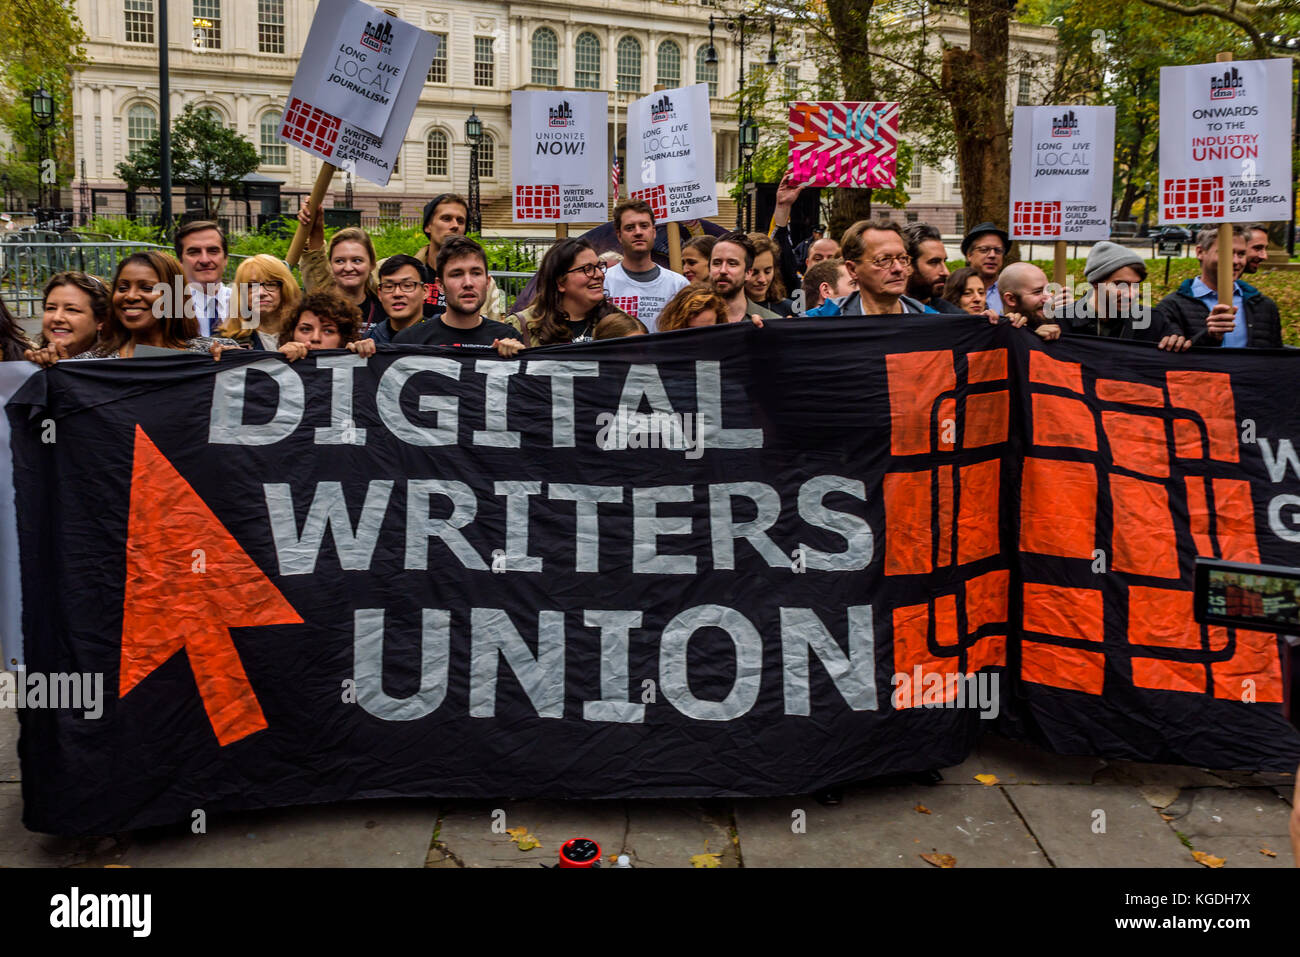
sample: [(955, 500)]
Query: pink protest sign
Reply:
[(844, 144)]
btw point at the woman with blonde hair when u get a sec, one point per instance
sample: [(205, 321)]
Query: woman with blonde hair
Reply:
[(698, 304), (346, 267), (268, 298)]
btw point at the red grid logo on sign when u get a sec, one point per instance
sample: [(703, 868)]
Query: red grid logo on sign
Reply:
[(1036, 219), (537, 202), (656, 196), (1198, 197), (314, 129), (629, 304)]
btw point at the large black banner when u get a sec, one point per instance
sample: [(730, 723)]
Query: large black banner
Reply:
[(730, 561)]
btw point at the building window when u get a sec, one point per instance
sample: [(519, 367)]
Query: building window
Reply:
[(670, 64), (207, 24), (397, 162), (629, 65), (1022, 92), (915, 181), (956, 178), (435, 153), (390, 209), (139, 21), (546, 57), (141, 127), (911, 217), (438, 68), (960, 225), (706, 72), (484, 62), (586, 62), (791, 82), (487, 157), (274, 150), (270, 26)]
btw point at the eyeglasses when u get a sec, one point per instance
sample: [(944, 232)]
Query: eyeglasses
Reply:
[(274, 284), (406, 285), (985, 250), (590, 270), (884, 262)]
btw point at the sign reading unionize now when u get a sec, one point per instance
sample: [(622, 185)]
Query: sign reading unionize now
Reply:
[(670, 153), (1062, 159), (1225, 142), (358, 81), (558, 156)]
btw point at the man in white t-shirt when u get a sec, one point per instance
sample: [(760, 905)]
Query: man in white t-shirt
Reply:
[(636, 285)]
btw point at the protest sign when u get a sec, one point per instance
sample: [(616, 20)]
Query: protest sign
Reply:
[(670, 153), (844, 144), (1225, 142), (350, 104), (709, 584), (1061, 163), (558, 153)]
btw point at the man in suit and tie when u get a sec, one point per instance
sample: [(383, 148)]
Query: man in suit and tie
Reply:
[(201, 249)]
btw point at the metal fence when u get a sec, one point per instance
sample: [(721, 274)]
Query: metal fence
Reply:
[(30, 258)]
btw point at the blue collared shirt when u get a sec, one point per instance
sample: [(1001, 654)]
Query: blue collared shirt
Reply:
[(1236, 339), (993, 299)]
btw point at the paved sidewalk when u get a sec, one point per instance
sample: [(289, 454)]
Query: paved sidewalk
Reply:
[(1044, 810)]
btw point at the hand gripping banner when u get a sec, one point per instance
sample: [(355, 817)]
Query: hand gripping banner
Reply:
[(720, 562)]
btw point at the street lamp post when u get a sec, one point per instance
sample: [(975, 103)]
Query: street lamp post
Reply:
[(747, 129), (42, 104), (473, 136)]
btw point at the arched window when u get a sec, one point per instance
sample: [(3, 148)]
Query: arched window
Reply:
[(487, 157), (212, 113), (141, 127), (546, 57), (629, 65), (586, 62), (670, 64), (275, 152), (706, 72), (435, 153)]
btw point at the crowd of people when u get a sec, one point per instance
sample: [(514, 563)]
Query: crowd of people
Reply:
[(442, 293)]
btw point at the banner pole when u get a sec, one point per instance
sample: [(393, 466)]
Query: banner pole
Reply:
[(318, 190), (1225, 239), (1058, 262)]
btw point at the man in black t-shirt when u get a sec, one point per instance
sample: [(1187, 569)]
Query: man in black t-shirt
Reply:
[(461, 268)]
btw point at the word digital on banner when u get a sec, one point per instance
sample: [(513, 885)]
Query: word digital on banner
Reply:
[(849, 144), (670, 153), (1225, 142), (558, 156), (1062, 158), (358, 81)]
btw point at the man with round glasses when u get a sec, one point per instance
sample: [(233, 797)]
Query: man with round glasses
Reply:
[(876, 256), (636, 285), (985, 247)]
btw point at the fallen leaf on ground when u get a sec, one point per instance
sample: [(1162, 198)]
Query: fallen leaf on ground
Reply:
[(987, 779), (523, 840), (1209, 860), (706, 859), (940, 860), (922, 809), (1267, 853), (1166, 817)]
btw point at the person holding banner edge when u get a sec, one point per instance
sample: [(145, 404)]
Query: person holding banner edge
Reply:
[(1252, 320), (347, 265), (461, 268)]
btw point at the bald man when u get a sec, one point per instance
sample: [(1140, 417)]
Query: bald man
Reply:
[(1024, 293), (821, 250)]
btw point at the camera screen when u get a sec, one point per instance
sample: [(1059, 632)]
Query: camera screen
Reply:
[(1258, 597)]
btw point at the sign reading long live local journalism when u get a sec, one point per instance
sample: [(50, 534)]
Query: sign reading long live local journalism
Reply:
[(1225, 142), (558, 156), (358, 81), (670, 153), (844, 144), (1061, 163)]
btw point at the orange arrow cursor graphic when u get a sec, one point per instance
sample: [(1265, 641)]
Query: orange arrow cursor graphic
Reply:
[(187, 583)]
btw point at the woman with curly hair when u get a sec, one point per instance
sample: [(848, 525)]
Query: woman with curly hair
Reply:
[(763, 283), (324, 321), (570, 296), (698, 304)]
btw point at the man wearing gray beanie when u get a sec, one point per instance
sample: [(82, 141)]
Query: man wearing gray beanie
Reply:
[(1114, 306)]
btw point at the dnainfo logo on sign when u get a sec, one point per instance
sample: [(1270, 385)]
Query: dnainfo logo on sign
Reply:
[(1228, 86)]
